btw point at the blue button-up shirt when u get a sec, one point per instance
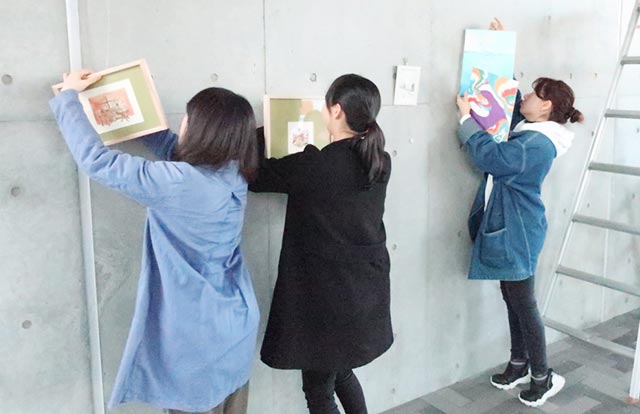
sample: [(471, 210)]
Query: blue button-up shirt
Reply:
[(194, 329)]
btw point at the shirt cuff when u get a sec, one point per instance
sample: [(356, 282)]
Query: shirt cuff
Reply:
[(464, 118)]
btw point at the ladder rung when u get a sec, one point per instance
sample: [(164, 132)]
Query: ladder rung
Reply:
[(607, 224), (598, 280), (619, 113), (631, 60), (592, 339), (614, 168)]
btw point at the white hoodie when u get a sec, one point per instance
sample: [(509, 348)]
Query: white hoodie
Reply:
[(561, 137), (558, 134)]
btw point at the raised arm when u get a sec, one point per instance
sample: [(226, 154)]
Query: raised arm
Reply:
[(498, 159), (282, 175), (145, 181), (161, 143)]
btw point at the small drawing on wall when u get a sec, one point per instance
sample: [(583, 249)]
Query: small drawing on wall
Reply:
[(407, 85), (300, 135), (292, 123)]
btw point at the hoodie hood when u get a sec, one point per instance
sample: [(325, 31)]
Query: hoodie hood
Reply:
[(559, 135)]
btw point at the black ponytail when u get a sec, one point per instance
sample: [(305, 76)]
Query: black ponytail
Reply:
[(360, 101)]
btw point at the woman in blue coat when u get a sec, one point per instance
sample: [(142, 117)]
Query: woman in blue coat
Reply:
[(508, 224), (194, 328)]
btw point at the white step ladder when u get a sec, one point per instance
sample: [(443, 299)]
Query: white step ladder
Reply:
[(591, 165)]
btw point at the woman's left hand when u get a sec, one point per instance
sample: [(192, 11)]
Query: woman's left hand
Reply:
[(79, 80), (463, 104)]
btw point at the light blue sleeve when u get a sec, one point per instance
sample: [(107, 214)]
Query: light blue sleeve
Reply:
[(147, 182), (498, 159), (161, 143)]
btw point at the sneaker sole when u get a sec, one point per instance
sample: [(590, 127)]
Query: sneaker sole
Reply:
[(505, 387), (558, 384)]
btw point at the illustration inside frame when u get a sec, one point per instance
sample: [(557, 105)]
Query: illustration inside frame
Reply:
[(293, 123)]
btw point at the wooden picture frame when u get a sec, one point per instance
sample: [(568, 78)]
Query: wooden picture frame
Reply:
[(291, 123), (123, 104)]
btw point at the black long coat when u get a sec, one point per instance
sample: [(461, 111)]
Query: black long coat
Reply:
[(330, 308)]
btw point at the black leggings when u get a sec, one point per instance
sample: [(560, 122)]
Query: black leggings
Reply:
[(319, 388), (527, 330)]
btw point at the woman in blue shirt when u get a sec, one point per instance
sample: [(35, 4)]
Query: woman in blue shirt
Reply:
[(193, 333), (508, 223)]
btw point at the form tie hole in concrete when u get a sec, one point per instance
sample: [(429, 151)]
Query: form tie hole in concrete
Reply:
[(7, 79), (313, 77), (459, 234), (26, 324), (16, 191), (214, 77), (571, 76), (394, 247), (633, 196), (393, 390), (522, 74), (394, 153), (588, 205)]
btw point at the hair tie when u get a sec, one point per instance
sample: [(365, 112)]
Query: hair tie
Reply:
[(572, 112)]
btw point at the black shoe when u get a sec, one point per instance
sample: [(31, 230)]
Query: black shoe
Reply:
[(538, 394), (511, 377)]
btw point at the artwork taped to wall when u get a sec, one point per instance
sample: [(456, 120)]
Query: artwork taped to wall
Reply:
[(492, 100), (292, 123), (407, 85), (123, 104), (490, 50)]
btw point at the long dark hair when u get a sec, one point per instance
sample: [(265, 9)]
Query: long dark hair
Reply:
[(221, 127), (562, 98), (360, 101)]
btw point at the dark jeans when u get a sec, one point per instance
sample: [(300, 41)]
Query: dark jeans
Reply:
[(527, 330), (319, 387)]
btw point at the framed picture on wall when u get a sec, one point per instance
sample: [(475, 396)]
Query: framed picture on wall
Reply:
[(123, 104), (292, 123)]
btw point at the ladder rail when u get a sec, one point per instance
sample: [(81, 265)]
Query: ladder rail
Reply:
[(593, 149)]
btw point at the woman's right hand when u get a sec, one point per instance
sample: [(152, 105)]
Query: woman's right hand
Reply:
[(79, 80), (496, 24)]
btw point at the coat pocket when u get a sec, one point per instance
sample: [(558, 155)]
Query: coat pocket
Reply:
[(495, 250)]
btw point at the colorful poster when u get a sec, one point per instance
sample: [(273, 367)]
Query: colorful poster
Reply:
[(492, 100), (490, 50)]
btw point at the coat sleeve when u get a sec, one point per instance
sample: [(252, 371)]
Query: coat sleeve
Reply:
[(161, 143), (282, 175), (498, 159), (145, 181)]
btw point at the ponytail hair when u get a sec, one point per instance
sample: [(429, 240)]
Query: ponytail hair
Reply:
[(360, 100), (562, 99)]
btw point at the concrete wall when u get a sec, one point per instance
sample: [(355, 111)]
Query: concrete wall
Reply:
[(447, 328)]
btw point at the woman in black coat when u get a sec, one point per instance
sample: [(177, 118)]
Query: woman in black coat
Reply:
[(330, 310)]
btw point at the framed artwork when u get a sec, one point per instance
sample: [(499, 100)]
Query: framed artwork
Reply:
[(492, 100), (493, 51), (407, 85), (291, 123), (123, 104)]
